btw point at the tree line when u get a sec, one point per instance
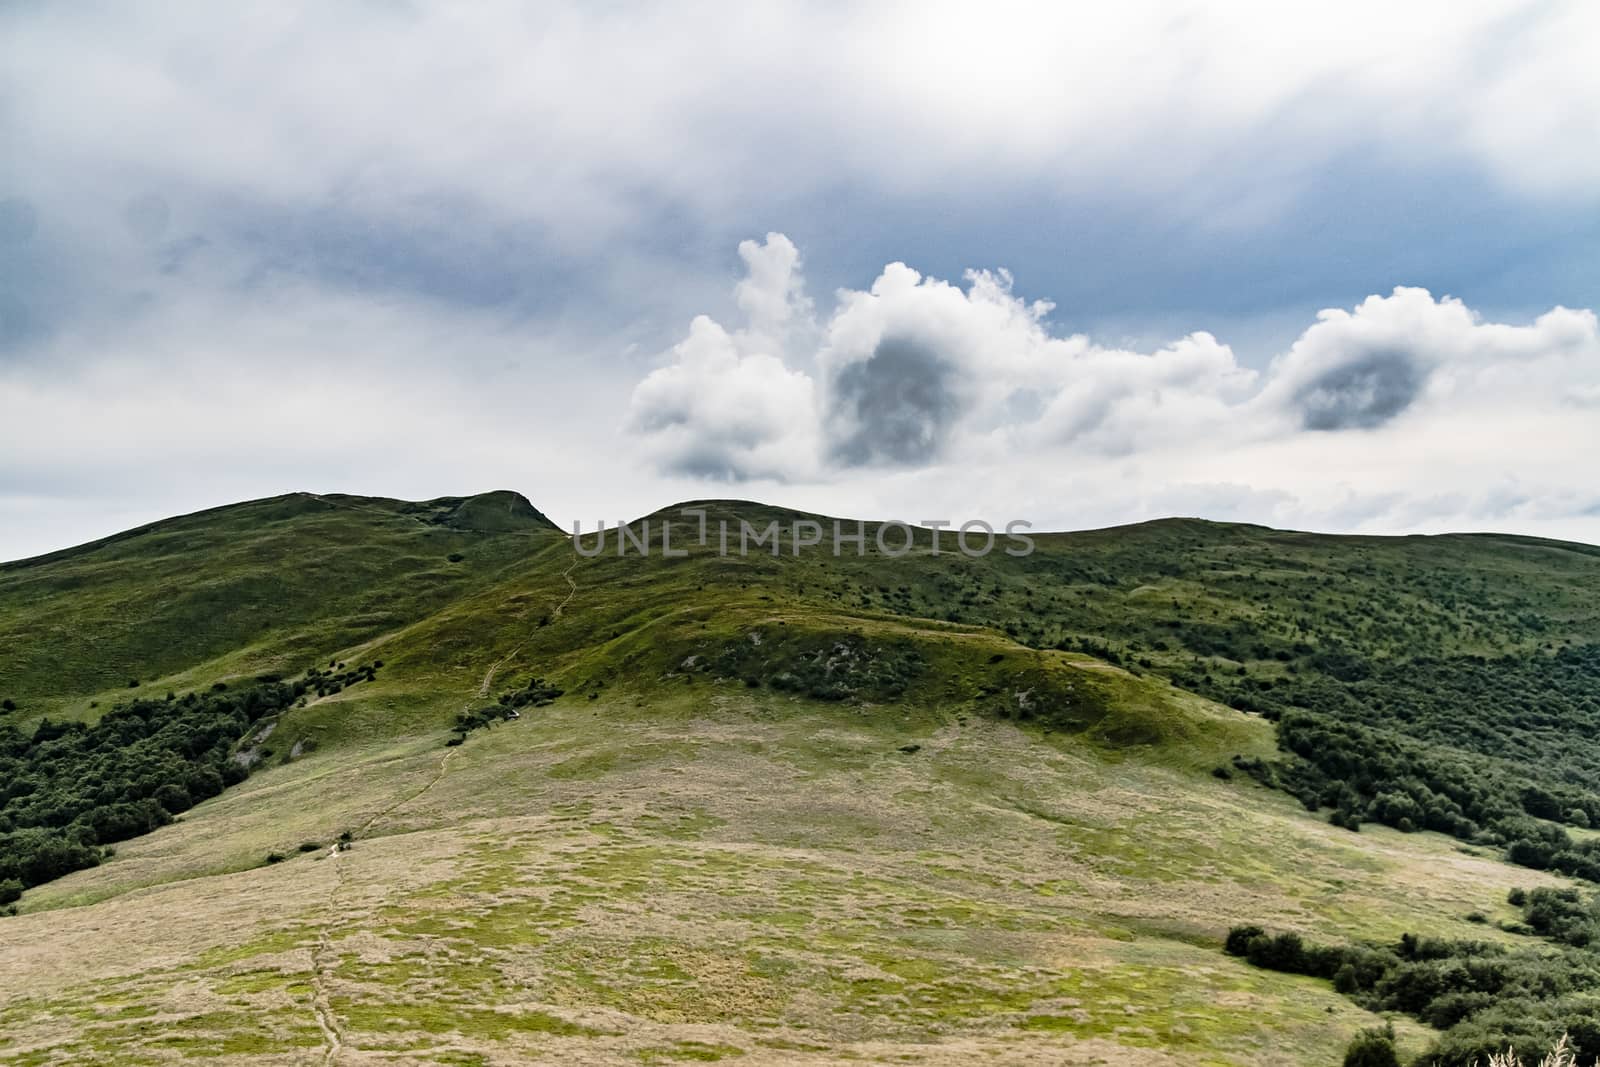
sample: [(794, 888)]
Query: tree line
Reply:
[(69, 789), (1485, 997)]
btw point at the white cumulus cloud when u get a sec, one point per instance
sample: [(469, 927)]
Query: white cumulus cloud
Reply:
[(727, 407), (1359, 369), (915, 374)]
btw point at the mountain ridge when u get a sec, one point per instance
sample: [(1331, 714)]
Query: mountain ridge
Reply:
[(733, 507), (515, 500)]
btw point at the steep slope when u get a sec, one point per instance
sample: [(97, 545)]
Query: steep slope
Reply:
[(720, 873)]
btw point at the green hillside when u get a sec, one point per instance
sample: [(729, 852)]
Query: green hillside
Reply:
[(271, 585), (786, 807)]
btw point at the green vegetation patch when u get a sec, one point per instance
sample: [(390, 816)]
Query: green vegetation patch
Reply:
[(1485, 997), (67, 789)]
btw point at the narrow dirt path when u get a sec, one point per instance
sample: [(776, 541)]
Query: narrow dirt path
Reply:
[(494, 668), (572, 592), (333, 1037), (321, 1004)]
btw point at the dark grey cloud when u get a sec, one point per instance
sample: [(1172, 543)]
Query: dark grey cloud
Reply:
[(1363, 393), (898, 406), (711, 459)]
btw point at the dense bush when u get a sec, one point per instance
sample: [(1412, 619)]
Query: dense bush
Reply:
[(1562, 915), (337, 677), (1370, 775), (1492, 750), (68, 789), (537, 692), (1372, 1048), (822, 667), (1536, 709), (1484, 997)]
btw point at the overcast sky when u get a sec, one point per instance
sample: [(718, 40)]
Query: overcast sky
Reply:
[(1075, 264)]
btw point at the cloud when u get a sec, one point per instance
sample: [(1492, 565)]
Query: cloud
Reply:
[(703, 104), (1362, 393), (897, 406), (910, 372), (584, 134), (726, 406), (1586, 396), (206, 393), (1404, 412), (1361, 369), (1115, 401), (906, 364), (725, 411), (772, 295)]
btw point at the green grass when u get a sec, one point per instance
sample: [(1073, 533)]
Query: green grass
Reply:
[(761, 871)]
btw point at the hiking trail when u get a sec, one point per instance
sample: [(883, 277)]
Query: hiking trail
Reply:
[(327, 1019)]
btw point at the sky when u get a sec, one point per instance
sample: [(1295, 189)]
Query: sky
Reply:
[(1076, 265)]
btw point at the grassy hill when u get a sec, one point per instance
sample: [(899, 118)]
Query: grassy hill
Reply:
[(787, 809), (272, 585)]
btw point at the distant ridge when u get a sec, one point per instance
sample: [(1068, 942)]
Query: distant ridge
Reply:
[(481, 511), (501, 510), (733, 508), (266, 585)]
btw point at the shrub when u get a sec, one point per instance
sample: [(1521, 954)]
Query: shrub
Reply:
[(1372, 1048), (1285, 952), (174, 797), (1239, 938)]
